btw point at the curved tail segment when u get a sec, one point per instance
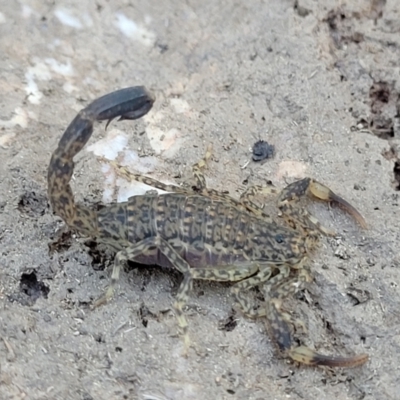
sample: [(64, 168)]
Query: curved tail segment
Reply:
[(130, 103)]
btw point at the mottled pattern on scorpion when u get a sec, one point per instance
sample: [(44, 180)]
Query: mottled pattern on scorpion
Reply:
[(203, 233)]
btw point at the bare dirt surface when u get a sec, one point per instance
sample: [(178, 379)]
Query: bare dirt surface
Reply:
[(317, 79)]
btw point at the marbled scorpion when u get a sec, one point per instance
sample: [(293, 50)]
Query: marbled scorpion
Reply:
[(203, 233)]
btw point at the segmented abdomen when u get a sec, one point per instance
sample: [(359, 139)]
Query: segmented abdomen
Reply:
[(205, 232)]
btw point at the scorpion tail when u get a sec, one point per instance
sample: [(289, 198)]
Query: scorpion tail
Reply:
[(281, 332), (130, 103)]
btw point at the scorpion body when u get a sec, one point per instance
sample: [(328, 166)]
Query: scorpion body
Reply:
[(203, 233)]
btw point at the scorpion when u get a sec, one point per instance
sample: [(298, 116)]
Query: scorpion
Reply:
[(203, 233)]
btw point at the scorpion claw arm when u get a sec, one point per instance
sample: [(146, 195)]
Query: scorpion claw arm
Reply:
[(305, 355), (281, 333), (322, 192), (311, 188)]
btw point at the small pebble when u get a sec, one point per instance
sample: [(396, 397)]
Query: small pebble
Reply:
[(262, 150), (46, 318)]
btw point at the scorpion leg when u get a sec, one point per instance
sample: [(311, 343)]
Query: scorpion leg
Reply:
[(220, 274), (148, 246), (201, 188), (246, 276), (198, 188), (229, 273), (262, 278), (278, 325), (130, 176), (197, 170), (308, 187), (252, 191)]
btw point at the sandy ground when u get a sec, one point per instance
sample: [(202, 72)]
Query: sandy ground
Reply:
[(319, 80)]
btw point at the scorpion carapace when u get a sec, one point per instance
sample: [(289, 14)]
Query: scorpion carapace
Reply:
[(203, 233)]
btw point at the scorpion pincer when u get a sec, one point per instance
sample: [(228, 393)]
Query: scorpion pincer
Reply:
[(203, 233)]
